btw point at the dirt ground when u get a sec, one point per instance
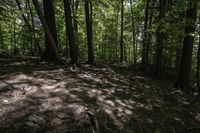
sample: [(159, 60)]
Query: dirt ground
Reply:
[(56, 99)]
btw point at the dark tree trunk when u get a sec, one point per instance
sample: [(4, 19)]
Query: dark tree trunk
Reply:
[(47, 31), (186, 58), (122, 33), (76, 5), (145, 43), (160, 36), (133, 34), (149, 38), (23, 15), (88, 16), (29, 37), (14, 38), (70, 33), (49, 15), (178, 53), (1, 38), (116, 32)]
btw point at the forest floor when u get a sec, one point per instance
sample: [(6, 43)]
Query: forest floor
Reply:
[(123, 99)]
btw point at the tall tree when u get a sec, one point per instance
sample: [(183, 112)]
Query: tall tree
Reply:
[(70, 33), (149, 38), (1, 38), (49, 15), (197, 70), (145, 40), (88, 16), (122, 33), (75, 10), (133, 34), (186, 58), (47, 31), (160, 36)]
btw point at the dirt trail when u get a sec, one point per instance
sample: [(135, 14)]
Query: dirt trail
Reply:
[(122, 100)]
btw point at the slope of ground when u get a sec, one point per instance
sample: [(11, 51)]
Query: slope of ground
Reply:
[(53, 98)]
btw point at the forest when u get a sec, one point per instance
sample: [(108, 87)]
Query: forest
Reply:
[(99, 66)]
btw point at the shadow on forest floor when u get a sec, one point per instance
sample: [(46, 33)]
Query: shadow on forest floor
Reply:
[(121, 99)]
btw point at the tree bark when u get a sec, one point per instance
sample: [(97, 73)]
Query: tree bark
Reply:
[(133, 34), (160, 36), (145, 39), (88, 17), (186, 58), (76, 6), (116, 32), (197, 72), (70, 33), (49, 15), (1, 38), (122, 33), (14, 38), (47, 31), (149, 38)]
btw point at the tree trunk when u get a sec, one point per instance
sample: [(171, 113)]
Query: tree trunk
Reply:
[(1, 38), (47, 31), (88, 16), (146, 20), (49, 15), (178, 53), (14, 38), (133, 33), (197, 72), (35, 41), (160, 37), (23, 15), (148, 52), (70, 33), (116, 28), (76, 5), (122, 33), (186, 58)]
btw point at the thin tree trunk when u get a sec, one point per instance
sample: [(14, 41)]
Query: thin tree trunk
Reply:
[(160, 37), (76, 5), (148, 52), (23, 15), (122, 33), (14, 37), (35, 41), (133, 34), (88, 16), (70, 32), (146, 20), (116, 28), (1, 38), (29, 37)]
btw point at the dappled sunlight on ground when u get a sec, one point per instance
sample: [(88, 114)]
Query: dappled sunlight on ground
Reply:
[(117, 99)]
